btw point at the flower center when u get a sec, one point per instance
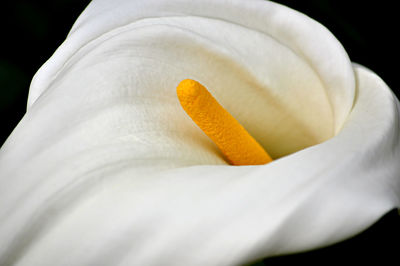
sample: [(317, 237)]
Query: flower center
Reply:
[(238, 146)]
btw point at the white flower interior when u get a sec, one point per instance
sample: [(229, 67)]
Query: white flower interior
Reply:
[(288, 95), (272, 91)]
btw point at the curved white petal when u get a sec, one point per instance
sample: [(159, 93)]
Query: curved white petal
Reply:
[(106, 169)]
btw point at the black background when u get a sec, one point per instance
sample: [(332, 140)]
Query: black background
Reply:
[(32, 30)]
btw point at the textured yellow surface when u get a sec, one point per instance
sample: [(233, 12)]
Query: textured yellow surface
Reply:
[(238, 146)]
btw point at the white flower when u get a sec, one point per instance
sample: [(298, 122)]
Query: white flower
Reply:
[(105, 168)]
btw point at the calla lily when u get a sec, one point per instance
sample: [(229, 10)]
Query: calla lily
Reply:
[(106, 168)]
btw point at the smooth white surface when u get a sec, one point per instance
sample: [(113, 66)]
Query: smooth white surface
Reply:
[(106, 168)]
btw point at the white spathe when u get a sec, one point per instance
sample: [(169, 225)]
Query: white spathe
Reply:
[(105, 168)]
